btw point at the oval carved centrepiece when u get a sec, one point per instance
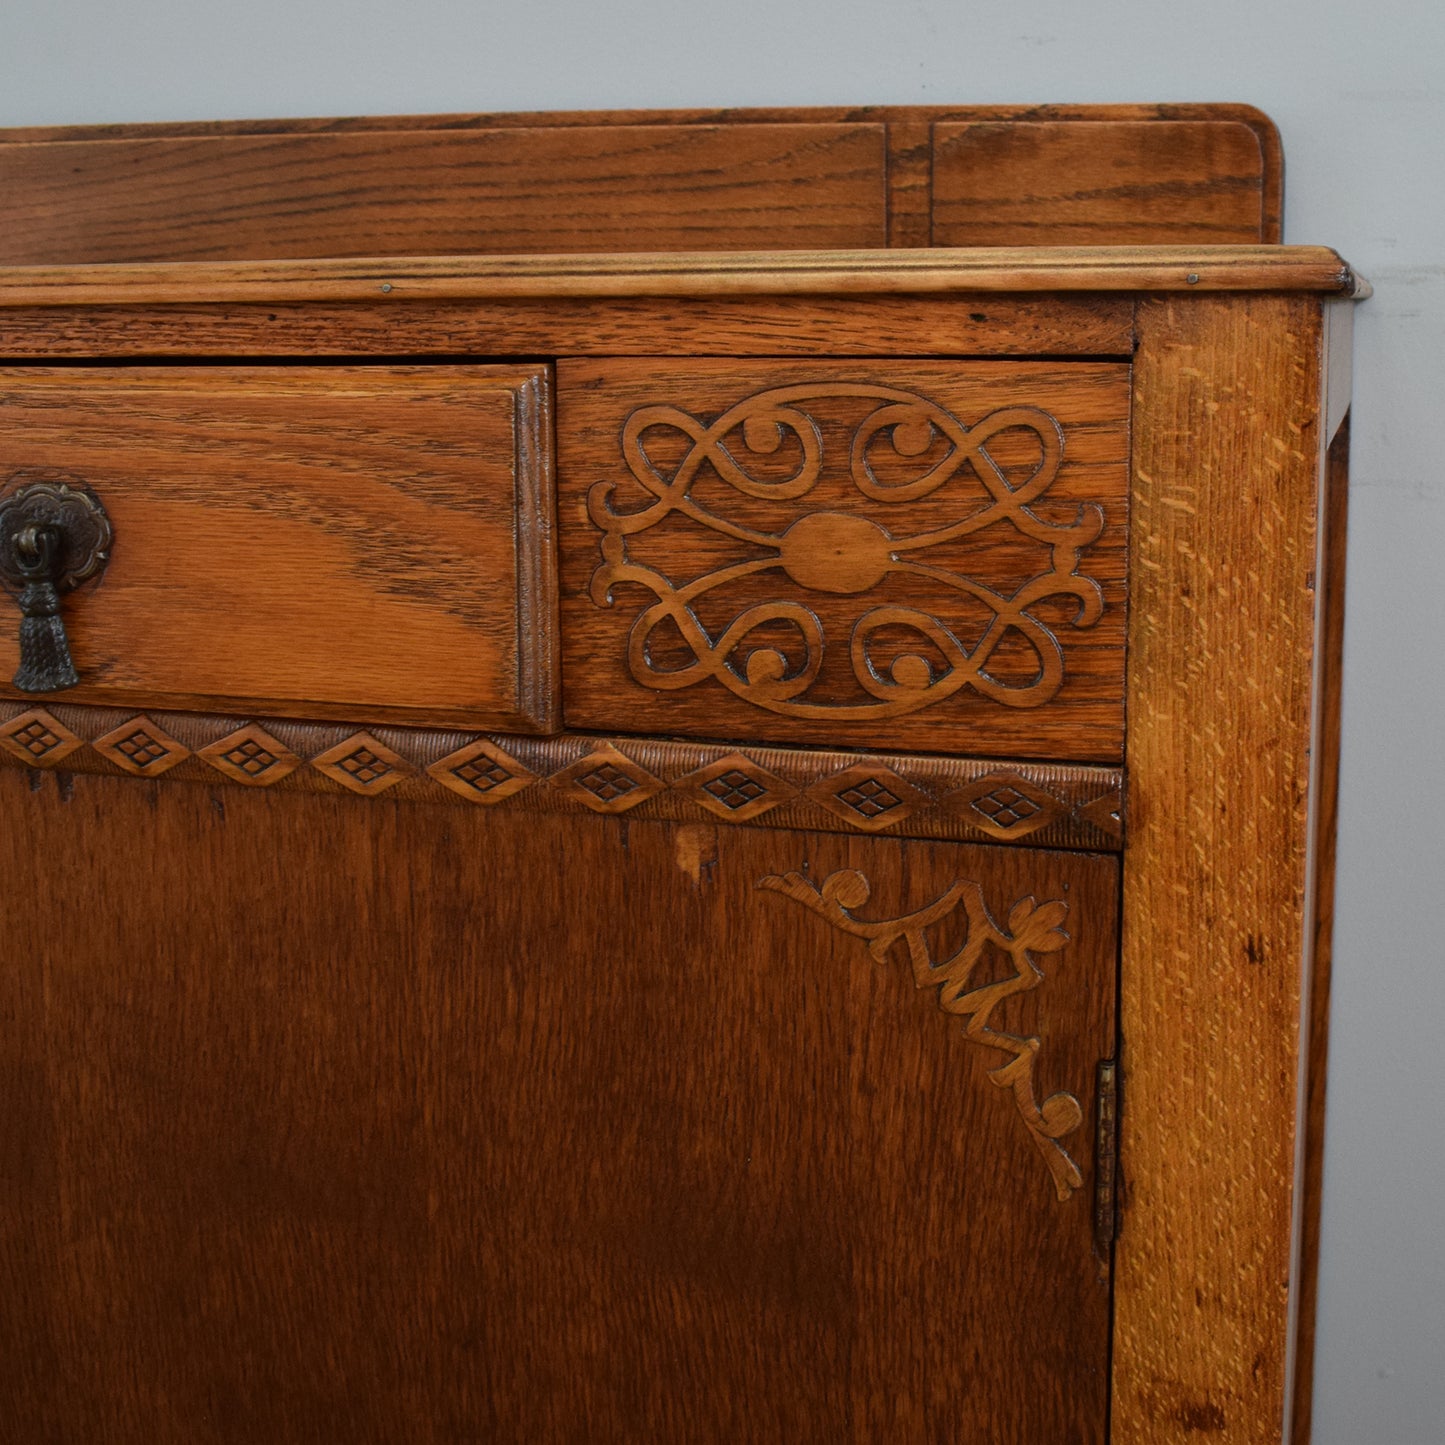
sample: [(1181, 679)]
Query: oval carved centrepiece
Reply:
[(833, 552)]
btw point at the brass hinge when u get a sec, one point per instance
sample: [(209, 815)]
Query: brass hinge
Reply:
[(1106, 1156)]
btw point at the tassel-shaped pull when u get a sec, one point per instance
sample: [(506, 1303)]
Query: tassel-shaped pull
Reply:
[(45, 662), (54, 534)]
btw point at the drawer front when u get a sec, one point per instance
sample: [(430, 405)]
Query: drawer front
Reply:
[(922, 555), (363, 542)]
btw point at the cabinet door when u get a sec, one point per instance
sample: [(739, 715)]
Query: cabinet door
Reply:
[(333, 1119)]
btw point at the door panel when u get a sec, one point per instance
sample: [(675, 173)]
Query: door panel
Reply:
[(337, 1119)]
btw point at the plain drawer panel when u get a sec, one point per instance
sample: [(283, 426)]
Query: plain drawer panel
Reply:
[(908, 554), (362, 542)]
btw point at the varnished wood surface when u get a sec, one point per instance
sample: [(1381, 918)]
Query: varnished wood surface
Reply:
[(355, 542), (336, 1121), (639, 180), (578, 188), (700, 273), (1046, 805), (1119, 182), (831, 553), (1226, 113), (1327, 755), (1225, 528), (1086, 324)]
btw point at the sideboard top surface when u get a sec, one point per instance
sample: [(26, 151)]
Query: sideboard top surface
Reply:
[(681, 274)]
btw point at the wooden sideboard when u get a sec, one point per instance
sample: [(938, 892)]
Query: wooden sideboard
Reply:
[(699, 798)]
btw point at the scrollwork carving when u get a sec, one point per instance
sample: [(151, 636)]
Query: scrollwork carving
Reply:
[(1032, 928), (902, 656)]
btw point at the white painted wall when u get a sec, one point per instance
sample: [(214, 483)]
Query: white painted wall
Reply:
[(1358, 90)]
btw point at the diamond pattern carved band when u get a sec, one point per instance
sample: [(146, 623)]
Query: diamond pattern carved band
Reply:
[(1032, 928), (891, 794)]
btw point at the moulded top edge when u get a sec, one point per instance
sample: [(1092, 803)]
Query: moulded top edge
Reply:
[(701, 273)]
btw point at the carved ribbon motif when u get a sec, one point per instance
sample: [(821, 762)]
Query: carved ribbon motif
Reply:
[(845, 552), (1032, 928)]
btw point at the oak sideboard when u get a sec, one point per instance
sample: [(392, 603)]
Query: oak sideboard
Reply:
[(670, 777)]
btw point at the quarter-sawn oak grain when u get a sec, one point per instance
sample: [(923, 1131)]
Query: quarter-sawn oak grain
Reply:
[(1215, 941), (353, 542)]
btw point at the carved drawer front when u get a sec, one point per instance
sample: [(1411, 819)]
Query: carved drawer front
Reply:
[(364, 542), (900, 554)]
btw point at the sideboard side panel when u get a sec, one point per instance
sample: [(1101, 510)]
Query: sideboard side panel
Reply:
[(1224, 539)]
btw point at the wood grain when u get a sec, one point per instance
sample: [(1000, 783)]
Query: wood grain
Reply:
[(623, 180), (702, 540), (759, 273), (1120, 183), (1043, 805), (356, 542), (424, 1136), (997, 325), (1327, 756), (1222, 635), (509, 190)]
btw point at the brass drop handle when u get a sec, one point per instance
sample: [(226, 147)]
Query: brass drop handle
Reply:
[(54, 535)]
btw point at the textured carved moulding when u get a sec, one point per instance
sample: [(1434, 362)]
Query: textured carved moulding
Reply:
[(1032, 928), (847, 558), (895, 794)]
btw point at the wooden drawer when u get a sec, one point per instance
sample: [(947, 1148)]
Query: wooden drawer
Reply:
[(363, 542), (897, 554)]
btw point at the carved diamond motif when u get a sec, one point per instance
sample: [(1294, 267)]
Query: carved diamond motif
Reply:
[(736, 788), (867, 796), (363, 764), (37, 738), (481, 773), (870, 798), (1106, 814), (252, 756), (1005, 805), (140, 747), (607, 781)]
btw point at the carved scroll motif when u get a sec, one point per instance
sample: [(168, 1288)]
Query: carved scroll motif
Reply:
[(906, 449), (1032, 928)]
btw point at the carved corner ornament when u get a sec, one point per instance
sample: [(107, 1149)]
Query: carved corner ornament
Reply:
[(901, 657), (1032, 928)]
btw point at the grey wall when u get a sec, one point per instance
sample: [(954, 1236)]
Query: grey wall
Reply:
[(1358, 90)]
